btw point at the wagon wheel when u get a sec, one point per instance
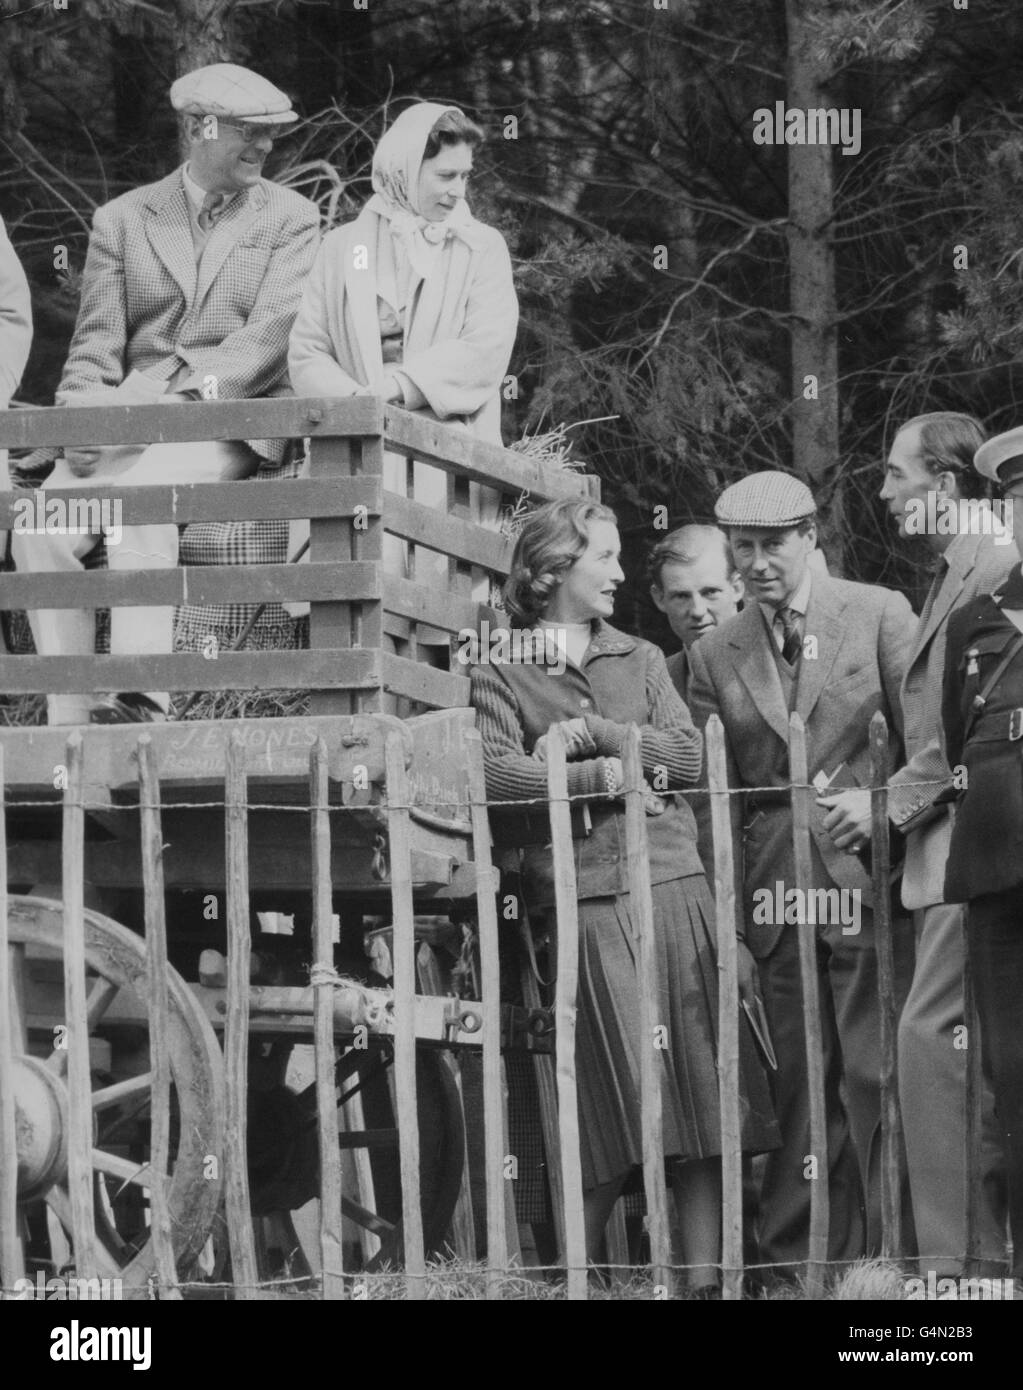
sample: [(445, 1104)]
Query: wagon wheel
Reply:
[(115, 962), (284, 1153)]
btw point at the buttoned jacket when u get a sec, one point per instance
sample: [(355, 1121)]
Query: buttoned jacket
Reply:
[(857, 639), (145, 305), (622, 681), (976, 564), (986, 850)]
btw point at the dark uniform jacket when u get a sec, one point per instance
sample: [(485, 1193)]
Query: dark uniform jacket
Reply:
[(986, 853)]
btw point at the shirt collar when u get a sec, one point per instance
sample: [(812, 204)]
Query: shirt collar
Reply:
[(196, 196), (963, 544), (800, 600), (609, 640)]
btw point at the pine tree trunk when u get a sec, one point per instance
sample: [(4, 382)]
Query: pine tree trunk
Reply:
[(202, 33), (811, 267)]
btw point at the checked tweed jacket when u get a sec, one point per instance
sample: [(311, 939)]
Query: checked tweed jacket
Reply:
[(864, 634), (147, 306)]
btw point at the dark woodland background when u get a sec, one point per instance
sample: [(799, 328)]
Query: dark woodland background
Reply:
[(635, 123)]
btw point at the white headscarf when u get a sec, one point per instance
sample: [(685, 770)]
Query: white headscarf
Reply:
[(397, 162)]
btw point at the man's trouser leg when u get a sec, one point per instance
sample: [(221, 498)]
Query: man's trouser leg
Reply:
[(784, 1222), (995, 941), (852, 970), (932, 1091), (60, 631), (133, 631)]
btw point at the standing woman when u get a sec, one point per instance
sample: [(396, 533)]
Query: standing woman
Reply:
[(596, 681), (982, 712), (414, 301)]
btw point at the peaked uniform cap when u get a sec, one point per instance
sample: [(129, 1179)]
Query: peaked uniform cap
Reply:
[(232, 93), (765, 499), (1001, 458)]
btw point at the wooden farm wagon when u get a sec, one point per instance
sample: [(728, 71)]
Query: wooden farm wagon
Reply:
[(171, 1071)]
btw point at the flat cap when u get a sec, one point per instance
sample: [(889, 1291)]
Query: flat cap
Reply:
[(232, 93), (1001, 458), (765, 499)]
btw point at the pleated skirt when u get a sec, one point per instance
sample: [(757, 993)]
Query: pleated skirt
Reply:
[(608, 1035)]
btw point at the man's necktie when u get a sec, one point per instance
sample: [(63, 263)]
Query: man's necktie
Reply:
[(212, 206), (792, 642)]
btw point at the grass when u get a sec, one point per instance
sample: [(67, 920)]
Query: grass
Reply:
[(455, 1280)]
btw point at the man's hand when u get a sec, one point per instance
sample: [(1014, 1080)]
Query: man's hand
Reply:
[(391, 389), (578, 742), (82, 462), (747, 971), (848, 818)]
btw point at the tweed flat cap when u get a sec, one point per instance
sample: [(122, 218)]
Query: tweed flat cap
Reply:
[(765, 499), (233, 93), (1001, 458)]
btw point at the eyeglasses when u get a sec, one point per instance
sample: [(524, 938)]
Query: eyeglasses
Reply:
[(251, 133)]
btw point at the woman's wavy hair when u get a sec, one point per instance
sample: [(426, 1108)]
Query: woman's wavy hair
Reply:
[(453, 128), (551, 540)]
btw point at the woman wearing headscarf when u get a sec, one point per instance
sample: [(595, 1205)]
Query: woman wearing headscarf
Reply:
[(414, 301)]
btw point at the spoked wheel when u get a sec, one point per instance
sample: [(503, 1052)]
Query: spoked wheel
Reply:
[(115, 962), (284, 1153)]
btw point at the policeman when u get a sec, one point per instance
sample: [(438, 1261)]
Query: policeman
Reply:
[(982, 714)]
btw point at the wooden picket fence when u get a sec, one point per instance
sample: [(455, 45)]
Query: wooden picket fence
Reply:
[(329, 1033), (349, 669)]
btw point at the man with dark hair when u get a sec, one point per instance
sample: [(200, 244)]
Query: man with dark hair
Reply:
[(833, 652), (190, 289), (694, 583), (932, 458)]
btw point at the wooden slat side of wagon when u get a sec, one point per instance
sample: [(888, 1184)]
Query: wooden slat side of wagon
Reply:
[(379, 696)]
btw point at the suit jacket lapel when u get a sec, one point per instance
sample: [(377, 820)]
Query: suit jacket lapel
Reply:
[(756, 668), (951, 587), (230, 227), (823, 622), (170, 232)]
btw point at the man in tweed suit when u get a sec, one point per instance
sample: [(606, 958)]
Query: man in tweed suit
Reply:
[(932, 458), (833, 652), (190, 289)]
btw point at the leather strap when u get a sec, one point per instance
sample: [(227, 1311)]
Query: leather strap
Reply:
[(980, 699)]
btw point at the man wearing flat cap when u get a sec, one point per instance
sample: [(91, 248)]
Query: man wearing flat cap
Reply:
[(190, 289), (982, 718), (833, 652)]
